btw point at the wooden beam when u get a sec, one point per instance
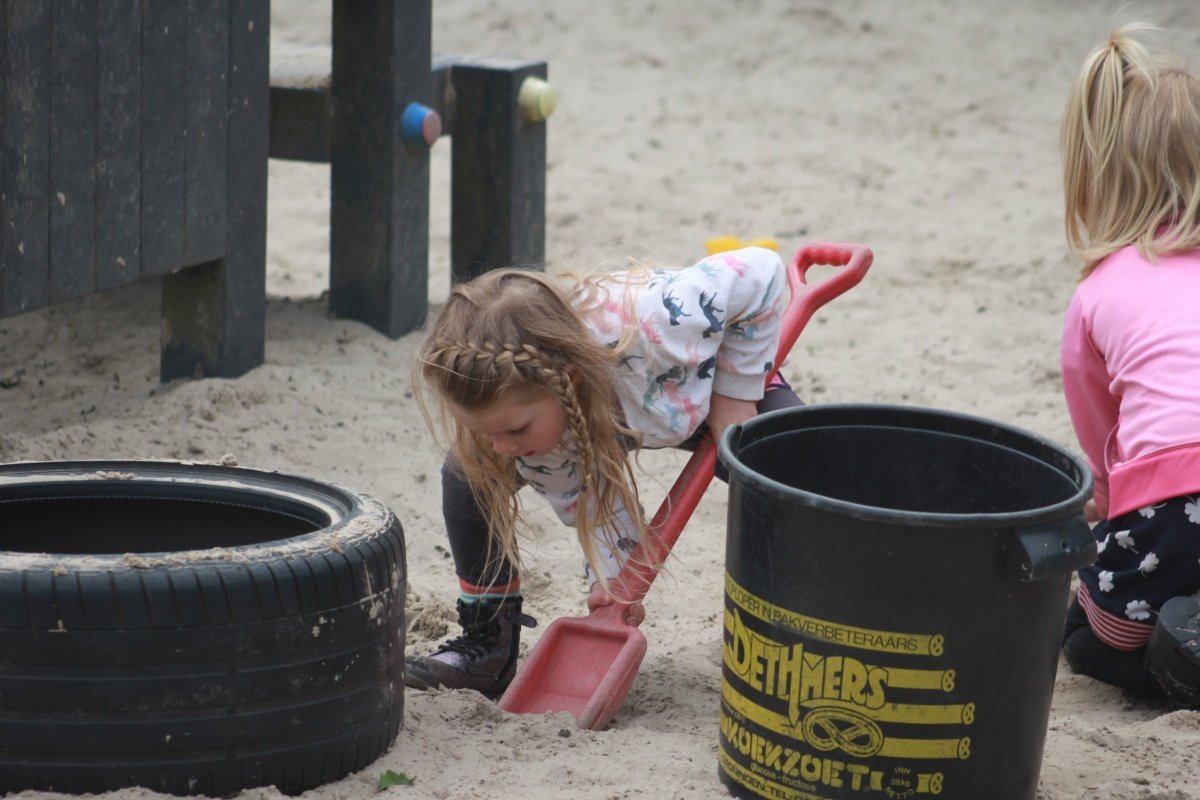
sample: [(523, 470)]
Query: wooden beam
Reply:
[(498, 163), (72, 263), (205, 201), (379, 239), (164, 132), (118, 144), (25, 137), (214, 313)]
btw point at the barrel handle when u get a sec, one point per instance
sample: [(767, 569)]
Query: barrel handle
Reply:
[(1041, 551)]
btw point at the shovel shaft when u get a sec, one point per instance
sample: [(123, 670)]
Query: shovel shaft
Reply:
[(642, 567)]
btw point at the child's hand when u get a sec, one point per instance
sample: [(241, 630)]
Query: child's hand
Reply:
[(598, 597), (725, 411)]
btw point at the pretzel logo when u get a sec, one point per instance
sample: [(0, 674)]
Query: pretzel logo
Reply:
[(838, 728)]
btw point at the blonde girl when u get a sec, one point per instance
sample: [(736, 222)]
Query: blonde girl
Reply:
[(551, 383), (1131, 363)]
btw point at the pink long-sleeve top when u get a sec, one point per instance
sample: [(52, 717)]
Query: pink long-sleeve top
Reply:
[(1131, 376)]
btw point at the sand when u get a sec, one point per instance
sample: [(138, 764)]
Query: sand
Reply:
[(926, 130)]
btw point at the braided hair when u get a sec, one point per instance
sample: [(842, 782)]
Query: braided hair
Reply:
[(516, 330)]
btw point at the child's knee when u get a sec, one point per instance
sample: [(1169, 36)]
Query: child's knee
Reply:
[(1079, 647)]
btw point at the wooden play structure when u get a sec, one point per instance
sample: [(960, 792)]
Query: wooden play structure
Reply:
[(133, 145), (134, 140)]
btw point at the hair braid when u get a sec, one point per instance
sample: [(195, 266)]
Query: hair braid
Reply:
[(532, 365), (561, 383)]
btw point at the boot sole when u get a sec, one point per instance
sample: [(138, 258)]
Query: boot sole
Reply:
[(422, 682), (1173, 653)]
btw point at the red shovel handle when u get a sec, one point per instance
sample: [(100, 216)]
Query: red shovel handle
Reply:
[(854, 259), (638, 573)]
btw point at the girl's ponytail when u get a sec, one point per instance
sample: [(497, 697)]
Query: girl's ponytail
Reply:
[(1131, 147)]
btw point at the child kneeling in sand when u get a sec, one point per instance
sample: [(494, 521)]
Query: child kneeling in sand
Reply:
[(1131, 365), (551, 384)]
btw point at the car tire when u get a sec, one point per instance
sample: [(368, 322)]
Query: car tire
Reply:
[(194, 628)]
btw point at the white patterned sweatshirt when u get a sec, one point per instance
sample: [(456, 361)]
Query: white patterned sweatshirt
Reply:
[(711, 327)]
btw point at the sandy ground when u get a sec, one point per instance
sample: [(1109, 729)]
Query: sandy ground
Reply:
[(926, 130)]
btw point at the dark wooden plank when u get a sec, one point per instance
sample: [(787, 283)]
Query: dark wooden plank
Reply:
[(164, 116), (25, 137), (118, 143), (300, 120), (72, 149), (249, 145), (302, 108), (214, 314), (498, 170), (193, 307), (206, 143), (379, 241), (3, 95)]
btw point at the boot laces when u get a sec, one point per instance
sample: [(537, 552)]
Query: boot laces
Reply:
[(475, 642), (481, 630)]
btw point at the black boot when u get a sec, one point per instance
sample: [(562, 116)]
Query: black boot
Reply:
[(484, 658), (1173, 653)]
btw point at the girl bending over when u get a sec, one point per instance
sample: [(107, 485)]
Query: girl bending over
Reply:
[(551, 384)]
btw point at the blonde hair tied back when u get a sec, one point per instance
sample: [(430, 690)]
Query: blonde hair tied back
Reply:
[(1131, 152)]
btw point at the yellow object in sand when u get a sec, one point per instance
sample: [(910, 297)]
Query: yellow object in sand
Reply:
[(722, 244)]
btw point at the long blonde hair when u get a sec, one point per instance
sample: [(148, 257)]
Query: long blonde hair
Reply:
[(510, 330), (1131, 152)]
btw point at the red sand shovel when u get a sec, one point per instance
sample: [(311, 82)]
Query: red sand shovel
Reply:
[(585, 665)]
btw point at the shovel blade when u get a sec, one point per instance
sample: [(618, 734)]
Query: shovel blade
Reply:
[(581, 665)]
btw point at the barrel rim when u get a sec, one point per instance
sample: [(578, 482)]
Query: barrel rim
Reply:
[(845, 413)]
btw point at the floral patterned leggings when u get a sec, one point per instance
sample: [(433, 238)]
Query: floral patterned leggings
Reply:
[(1146, 557)]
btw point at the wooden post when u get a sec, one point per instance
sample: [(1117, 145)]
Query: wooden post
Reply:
[(379, 240), (214, 314), (206, 199), (301, 115), (498, 163)]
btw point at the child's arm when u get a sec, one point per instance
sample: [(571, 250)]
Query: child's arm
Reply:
[(614, 543), (1093, 409), (752, 281), (557, 479), (749, 341), (725, 411)]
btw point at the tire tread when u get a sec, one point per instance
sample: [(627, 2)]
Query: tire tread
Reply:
[(282, 669)]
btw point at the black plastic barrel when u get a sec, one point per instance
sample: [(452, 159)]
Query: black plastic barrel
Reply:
[(895, 590)]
